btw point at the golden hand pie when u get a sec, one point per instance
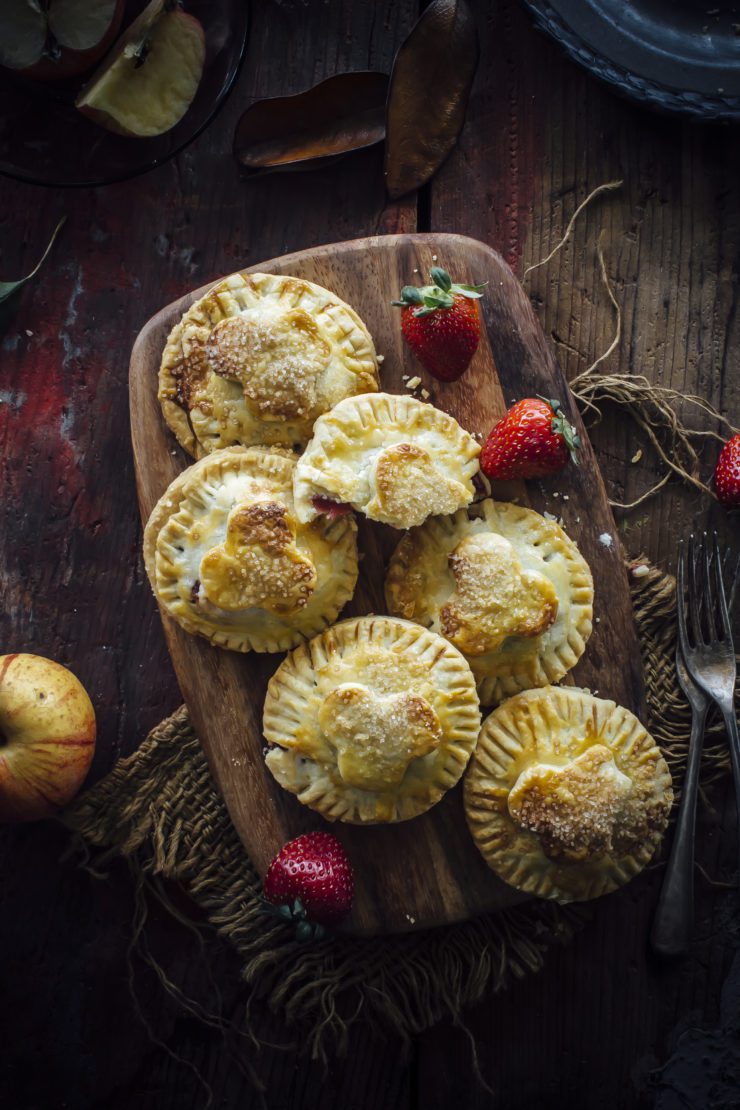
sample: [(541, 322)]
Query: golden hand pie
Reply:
[(257, 359), (372, 721), (567, 796), (392, 458), (504, 585), (228, 560)]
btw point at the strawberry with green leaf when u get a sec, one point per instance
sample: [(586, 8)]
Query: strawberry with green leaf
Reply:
[(441, 324), (532, 440), (310, 883)]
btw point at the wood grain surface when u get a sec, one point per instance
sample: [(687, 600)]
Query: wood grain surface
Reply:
[(602, 1025), (425, 872)]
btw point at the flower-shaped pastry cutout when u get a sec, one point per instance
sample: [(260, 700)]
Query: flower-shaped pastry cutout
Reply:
[(377, 737), (408, 487), (258, 564), (575, 810), (277, 360), (494, 597)]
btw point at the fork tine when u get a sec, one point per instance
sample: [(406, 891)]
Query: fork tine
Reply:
[(723, 611), (683, 638), (733, 589), (694, 614), (710, 604)]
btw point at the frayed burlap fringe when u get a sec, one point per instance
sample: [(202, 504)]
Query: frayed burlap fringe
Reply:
[(160, 809)]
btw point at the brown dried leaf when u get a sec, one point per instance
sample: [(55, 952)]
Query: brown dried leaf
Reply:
[(430, 85), (308, 130)]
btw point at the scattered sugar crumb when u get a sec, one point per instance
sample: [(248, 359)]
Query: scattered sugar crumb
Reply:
[(404, 377), (381, 358), (549, 516), (606, 539), (578, 520), (412, 383), (637, 456), (640, 571), (425, 394), (597, 620), (411, 919), (434, 258), (29, 333), (556, 494), (566, 497), (416, 271)]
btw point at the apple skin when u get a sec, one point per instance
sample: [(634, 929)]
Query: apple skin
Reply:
[(73, 63), (47, 737)]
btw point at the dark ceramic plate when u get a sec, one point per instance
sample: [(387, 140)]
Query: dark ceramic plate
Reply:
[(678, 55), (45, 140)]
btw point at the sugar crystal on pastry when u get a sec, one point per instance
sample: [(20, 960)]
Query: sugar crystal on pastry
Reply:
[(506, 586), (372, 721), (567, 795), (256, 360), (393, 458), (228, 559)]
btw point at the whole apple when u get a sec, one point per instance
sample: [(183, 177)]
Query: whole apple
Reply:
[(47, 737)]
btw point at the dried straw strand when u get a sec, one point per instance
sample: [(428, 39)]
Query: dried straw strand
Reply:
[(610, 186)]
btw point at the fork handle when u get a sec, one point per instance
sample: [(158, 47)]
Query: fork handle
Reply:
[(672, 925), (728, 712)]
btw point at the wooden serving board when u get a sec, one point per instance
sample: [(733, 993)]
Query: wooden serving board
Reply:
[(426, 871)]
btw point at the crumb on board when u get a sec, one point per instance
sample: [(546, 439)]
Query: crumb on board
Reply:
[(606, 540), (425, 394), (413, 383), (640, 570)]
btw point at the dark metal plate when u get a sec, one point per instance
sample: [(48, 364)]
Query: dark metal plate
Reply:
[(676, 55)]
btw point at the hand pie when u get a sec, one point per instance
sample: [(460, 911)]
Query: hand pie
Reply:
[(508, 588), (567, 795), (227, 558), (392, 458), (372, 721), (257, 359)]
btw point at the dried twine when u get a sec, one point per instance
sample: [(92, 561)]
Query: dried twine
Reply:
[(651, 406)]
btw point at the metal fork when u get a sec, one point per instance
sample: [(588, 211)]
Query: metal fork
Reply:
[(705, 667)]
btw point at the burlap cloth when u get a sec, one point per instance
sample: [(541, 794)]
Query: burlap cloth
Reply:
[(161, 810)]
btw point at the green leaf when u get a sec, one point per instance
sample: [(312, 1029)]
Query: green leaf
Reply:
[(304, 932), (8, 288), (463, 288), (441, 278), (410, 294)]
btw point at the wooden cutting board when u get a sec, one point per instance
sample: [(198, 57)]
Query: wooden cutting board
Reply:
[(427, 871)]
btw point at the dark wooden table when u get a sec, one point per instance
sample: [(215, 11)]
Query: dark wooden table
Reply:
[(602, 1025)]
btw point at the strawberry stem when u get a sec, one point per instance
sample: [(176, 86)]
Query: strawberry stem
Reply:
[(562, 426), (426, 299)]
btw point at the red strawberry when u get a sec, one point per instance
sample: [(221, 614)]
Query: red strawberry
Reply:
[(532, 440), (441, 324), (310, 881), (727, 474)]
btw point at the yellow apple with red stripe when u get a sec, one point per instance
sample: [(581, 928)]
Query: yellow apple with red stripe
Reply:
[(47, 737)]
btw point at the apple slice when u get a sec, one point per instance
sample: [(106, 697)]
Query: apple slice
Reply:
[(81, 25), (152, 75), (61, 39), (23, 31)]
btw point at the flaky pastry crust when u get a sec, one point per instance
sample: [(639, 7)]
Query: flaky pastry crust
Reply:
[(372, 721), (228, 560), (567, 795), (257, 359), (393, 458), (506, 586)]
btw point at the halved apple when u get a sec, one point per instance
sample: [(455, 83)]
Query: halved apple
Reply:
[(57, 39), (148, 83)]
